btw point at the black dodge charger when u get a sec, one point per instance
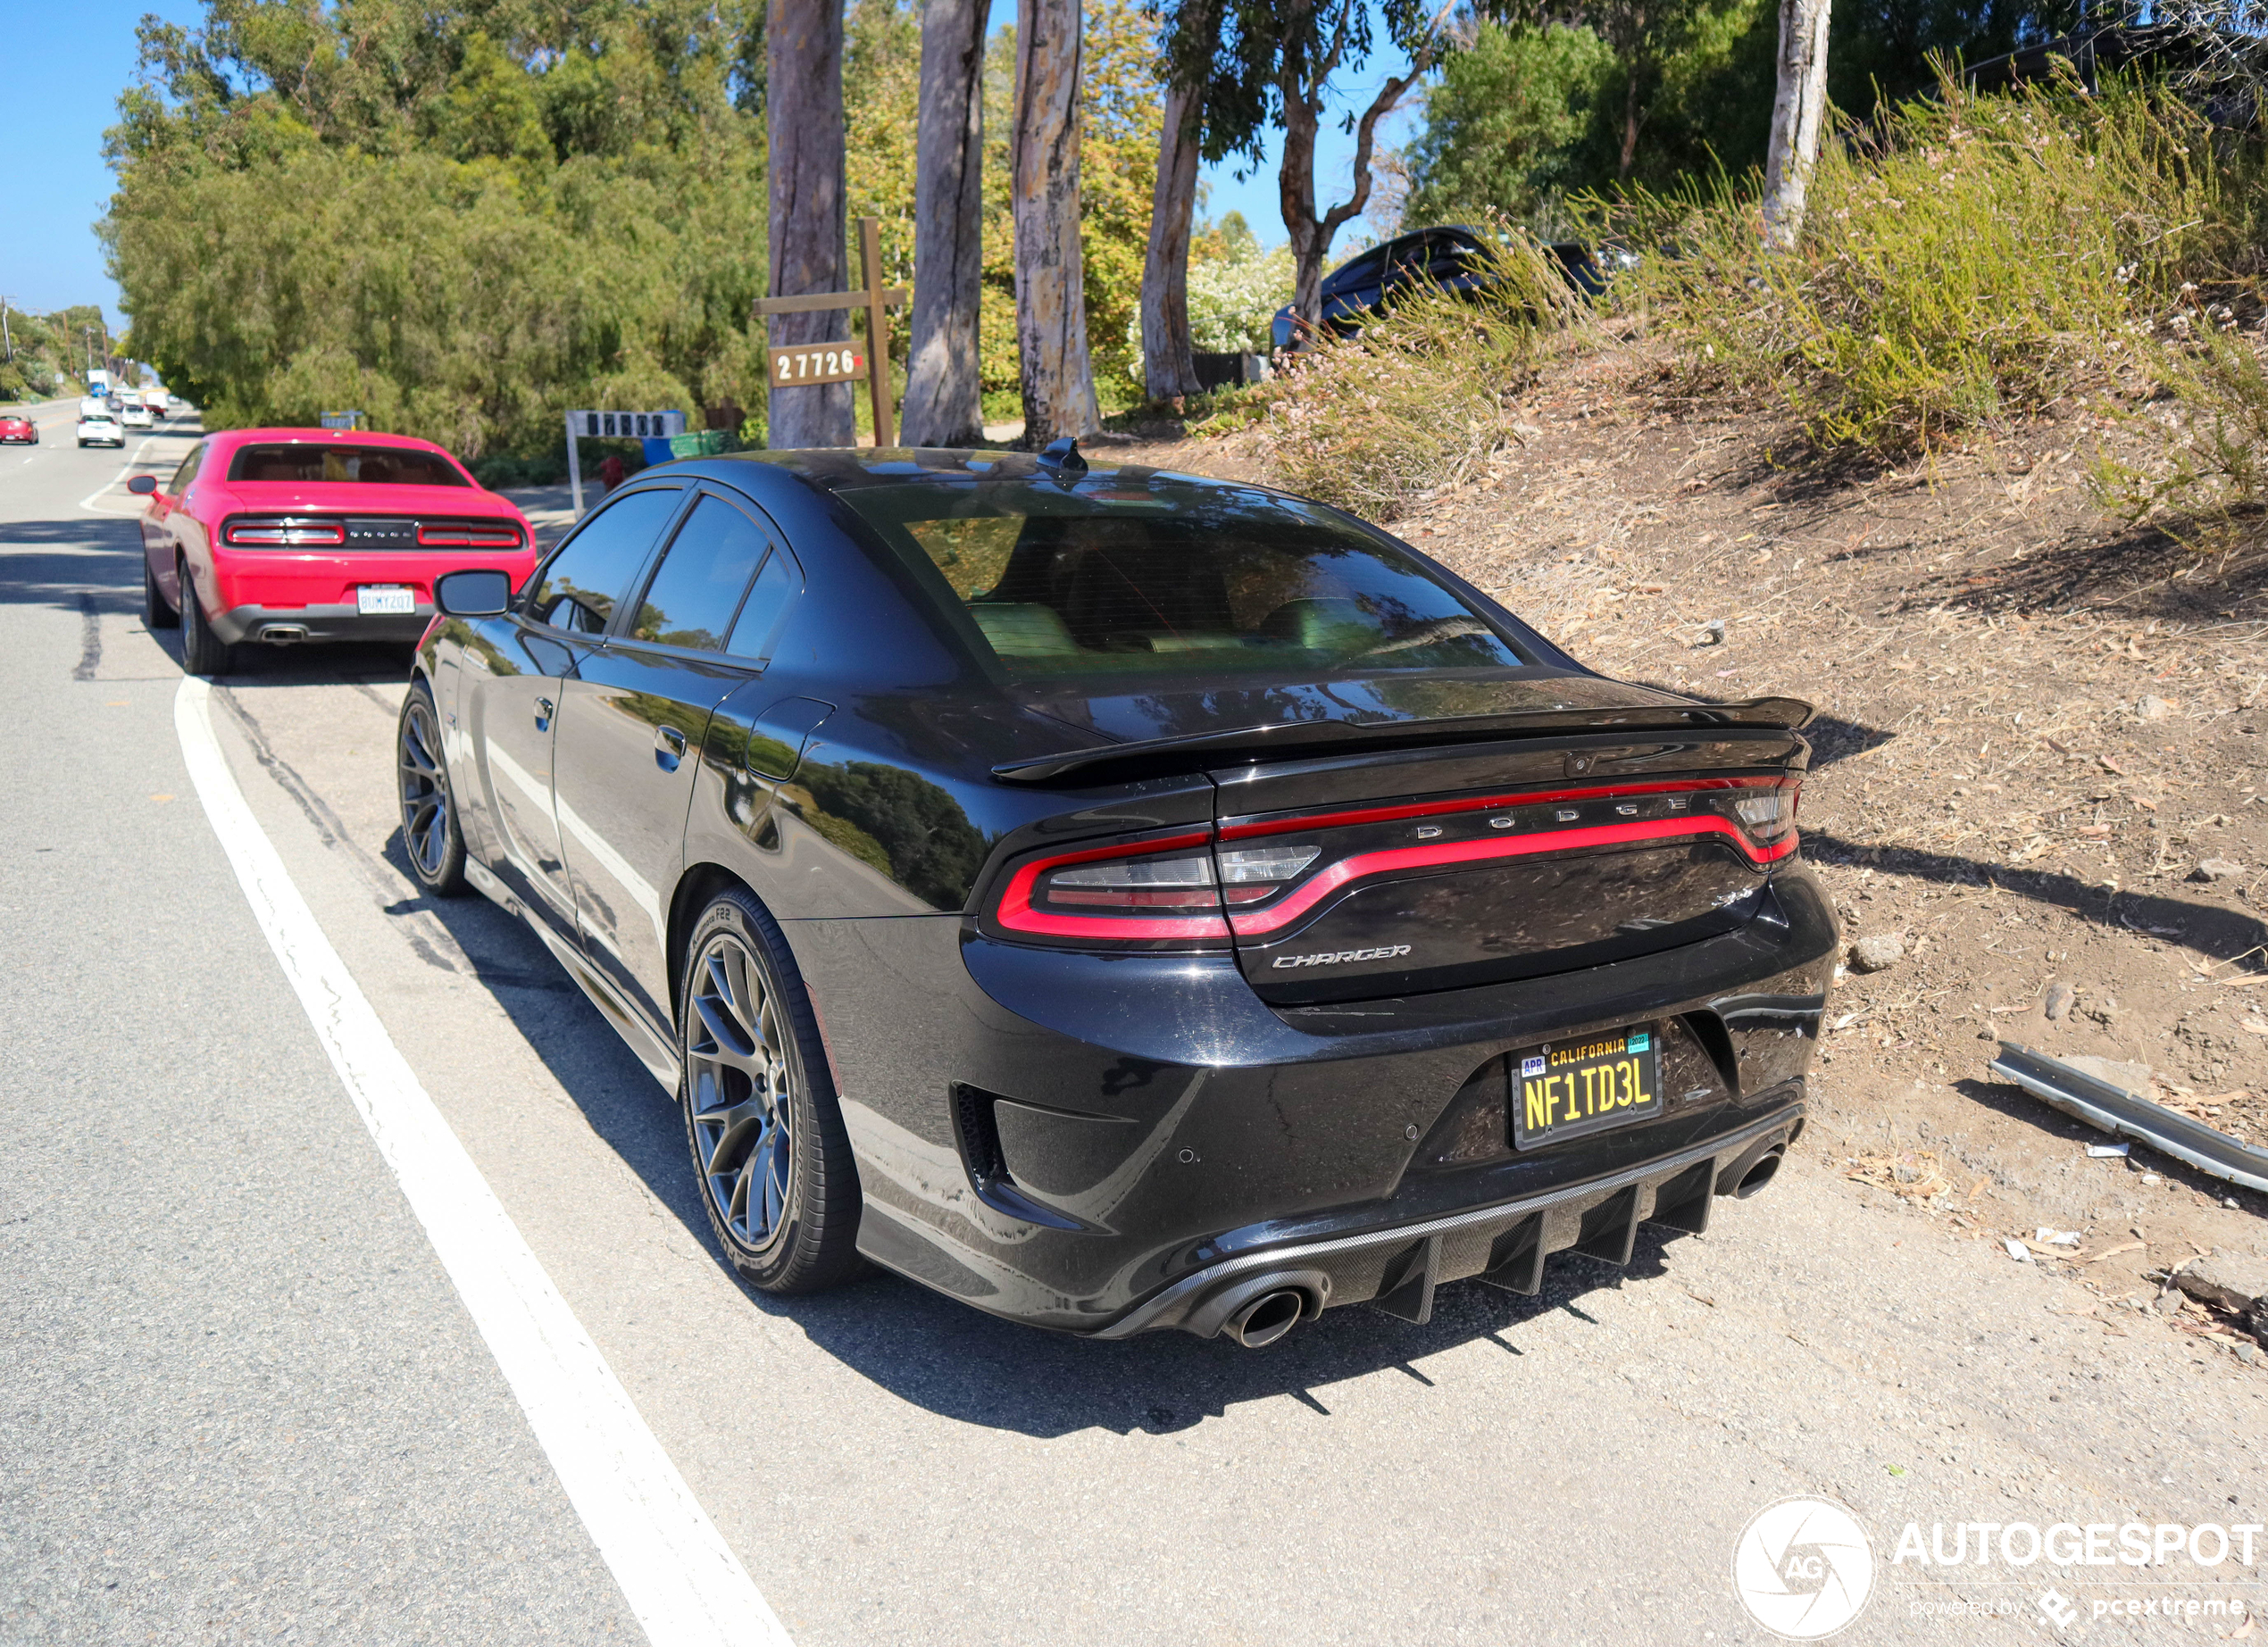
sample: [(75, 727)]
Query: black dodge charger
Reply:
[(1119, 899)]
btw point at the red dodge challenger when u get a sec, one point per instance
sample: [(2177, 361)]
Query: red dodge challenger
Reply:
[(289, 534), (18, 430)]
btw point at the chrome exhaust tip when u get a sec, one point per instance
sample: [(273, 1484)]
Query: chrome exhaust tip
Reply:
[(1259, 1309), (1755, 1167), (283, 634), (1267, 1317), (1759, 1175)]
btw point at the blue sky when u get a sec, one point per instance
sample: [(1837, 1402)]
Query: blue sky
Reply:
[(59, 83), (59, 78)]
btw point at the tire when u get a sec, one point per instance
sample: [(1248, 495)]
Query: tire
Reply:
[(156, 614), (202, 653), (430, 835), (771, 1158)]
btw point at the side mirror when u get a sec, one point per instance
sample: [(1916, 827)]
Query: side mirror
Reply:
[(142, 485), (478, 593)]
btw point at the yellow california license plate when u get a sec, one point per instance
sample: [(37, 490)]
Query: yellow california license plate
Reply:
[(1566, 1088)]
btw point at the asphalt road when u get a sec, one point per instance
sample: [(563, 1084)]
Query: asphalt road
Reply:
[(241, 1396)]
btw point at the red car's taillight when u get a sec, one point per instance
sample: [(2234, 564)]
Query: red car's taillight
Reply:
[(502, 535), (282, 532)]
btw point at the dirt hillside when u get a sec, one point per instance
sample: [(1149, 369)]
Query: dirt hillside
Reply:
[(2040, 764)]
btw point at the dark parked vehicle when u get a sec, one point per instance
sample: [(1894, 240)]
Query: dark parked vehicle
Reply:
[(1453, 257), (1122, 900)]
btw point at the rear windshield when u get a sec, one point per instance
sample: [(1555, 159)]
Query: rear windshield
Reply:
[(372, 466), (1146, 575)]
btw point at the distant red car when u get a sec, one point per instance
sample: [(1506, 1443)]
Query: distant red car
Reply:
[(290, 535), (18, 431)]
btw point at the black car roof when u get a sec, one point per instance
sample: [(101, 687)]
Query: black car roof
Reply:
[(843, 469)]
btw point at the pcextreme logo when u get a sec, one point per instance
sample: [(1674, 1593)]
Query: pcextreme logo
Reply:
[(1803, 1569)]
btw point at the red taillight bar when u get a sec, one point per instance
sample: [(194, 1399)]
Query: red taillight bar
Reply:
[(1428, 808), (1346, 869), (504, 534)]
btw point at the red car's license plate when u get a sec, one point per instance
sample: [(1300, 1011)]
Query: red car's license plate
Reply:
[(1566, 1088), (372, 599)]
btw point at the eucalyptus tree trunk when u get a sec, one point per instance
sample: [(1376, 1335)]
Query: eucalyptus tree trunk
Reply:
[(804, 101), (1798, 112), (1051, 299), (944, 403), (1168, 367)]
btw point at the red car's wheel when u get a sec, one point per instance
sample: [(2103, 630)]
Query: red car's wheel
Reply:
[(202, 653)]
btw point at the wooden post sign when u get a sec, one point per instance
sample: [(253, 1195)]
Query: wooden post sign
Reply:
[(797, 365)]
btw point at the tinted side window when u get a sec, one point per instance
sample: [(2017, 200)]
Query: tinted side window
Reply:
[(578, 588), (766, 604), (186, 472), (705, 571)]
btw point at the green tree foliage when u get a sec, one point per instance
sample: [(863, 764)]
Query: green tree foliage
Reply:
[(1531, 115), (459, 217), (50, 352), (1533, 111), (1880, 53)]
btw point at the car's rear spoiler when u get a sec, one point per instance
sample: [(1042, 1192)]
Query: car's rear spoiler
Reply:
[(1282, 739)]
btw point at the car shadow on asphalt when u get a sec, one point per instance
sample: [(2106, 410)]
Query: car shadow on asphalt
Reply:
[(944, 1356)]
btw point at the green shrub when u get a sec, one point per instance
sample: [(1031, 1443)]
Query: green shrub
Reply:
[(2205, 456), (1970, 259), (1422, 397)]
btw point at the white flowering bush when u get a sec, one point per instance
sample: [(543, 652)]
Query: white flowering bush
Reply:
[(1233, 299)]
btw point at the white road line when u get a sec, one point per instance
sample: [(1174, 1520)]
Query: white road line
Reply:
[(678, 1574)]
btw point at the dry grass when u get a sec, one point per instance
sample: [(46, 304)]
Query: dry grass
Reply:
[(1420, 399), (1973, 260)]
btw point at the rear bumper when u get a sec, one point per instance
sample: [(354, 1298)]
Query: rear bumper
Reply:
[(319, 623), (1505, 1245), (1097, 1143)]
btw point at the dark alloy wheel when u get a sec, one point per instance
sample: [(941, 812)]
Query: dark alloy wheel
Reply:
[(769, 1147), (156, 612), (430, 832), (202, 653)]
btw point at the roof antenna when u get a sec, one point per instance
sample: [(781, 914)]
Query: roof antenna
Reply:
[(1063, 454)]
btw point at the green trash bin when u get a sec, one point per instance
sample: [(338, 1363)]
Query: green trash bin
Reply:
[(699, 443)]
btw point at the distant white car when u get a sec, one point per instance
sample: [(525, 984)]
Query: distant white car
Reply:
[(100, 429), (137, 416)]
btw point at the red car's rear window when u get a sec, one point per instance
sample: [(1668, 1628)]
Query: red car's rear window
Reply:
[(399, 466)]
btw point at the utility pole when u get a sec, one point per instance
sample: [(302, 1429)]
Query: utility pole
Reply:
[(5, 340)]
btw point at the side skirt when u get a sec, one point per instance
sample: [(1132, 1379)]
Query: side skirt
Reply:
[(658, 1055)]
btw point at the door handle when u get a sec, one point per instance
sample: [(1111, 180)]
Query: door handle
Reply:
[(543, 714), (669, 747)]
